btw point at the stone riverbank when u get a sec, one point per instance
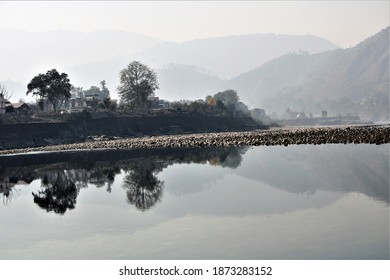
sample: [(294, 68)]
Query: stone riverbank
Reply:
[(371, 134)]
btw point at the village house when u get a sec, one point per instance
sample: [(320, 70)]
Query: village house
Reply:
[(157, 103), (21, 108), (8, 107), (76, 104)]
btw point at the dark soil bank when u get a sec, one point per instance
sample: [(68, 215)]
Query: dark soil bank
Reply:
[(373, 134)]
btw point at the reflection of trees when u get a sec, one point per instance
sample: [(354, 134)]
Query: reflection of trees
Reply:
[(6, 189), (231, 157), (144, 189), (104, 175), (61, 181), (60, 188), (59, 193)]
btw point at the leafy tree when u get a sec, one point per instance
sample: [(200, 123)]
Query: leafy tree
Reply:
[(77, 92), (54, 86), (92, 91), (137, 83), (242, 108), (229, 96), (210, 101), (104, 91), (107, 105), (98, 93), (220, 105), (195, 107)]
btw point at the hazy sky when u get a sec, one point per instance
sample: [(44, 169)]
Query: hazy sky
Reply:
[(345, 23)]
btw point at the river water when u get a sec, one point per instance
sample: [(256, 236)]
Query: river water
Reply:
[(295, 202)]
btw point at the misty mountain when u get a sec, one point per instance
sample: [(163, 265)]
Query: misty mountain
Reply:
[(29, 53), (213, 59), (226, 57), (354, 81)]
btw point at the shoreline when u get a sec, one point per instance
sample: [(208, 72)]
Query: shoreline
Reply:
[(367, 134)]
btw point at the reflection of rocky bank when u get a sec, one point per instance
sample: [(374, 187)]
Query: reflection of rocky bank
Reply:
[(63, 175)]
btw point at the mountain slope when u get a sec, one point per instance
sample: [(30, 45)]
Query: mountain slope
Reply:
[(354, 81)]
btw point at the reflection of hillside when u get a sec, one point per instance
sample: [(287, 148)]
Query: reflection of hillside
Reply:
[(336, 168), (61, 181)]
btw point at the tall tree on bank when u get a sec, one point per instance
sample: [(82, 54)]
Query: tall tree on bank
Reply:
[(137, 83), (54, 86)]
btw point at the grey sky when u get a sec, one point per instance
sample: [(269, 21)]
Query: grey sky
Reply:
[(345, 23)]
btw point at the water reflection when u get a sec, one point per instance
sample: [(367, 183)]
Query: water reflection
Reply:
[(295, 202), (143, 188), (58, 193), (6, 189), (293, 170), (61, 182), (308, 169)]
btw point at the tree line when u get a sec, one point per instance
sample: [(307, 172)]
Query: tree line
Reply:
[(136, 90), (137, 83)]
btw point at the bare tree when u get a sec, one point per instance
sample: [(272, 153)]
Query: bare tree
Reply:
[(4, 92)]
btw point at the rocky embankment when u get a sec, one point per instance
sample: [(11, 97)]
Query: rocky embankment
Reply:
[(373, 134)]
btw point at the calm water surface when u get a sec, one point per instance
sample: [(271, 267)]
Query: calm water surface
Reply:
[(295, 202)]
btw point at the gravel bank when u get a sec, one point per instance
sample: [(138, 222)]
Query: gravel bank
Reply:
[(372, 134)]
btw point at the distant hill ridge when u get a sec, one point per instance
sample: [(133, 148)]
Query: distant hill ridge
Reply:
[(222, 58), (227, 57), (354, 81)]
